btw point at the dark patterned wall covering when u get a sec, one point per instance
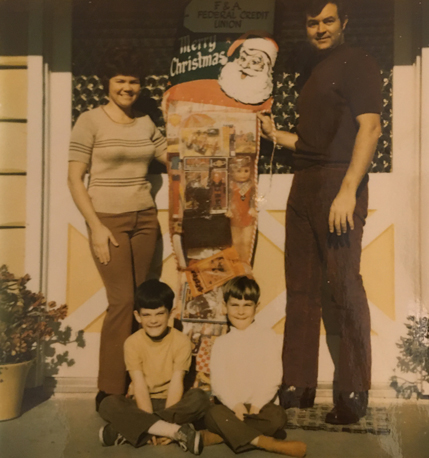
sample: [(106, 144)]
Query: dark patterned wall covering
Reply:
[(151, 26)]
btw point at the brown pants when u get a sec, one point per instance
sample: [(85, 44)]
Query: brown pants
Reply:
[(311, 253), (133, 423), (136, 234), (238, 434)]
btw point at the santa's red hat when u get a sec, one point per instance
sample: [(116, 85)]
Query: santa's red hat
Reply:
[(259, 41)]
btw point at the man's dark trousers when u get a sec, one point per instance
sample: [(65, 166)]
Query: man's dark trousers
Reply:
[(311, 249)]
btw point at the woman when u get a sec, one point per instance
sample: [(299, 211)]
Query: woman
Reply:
[(114, 145)]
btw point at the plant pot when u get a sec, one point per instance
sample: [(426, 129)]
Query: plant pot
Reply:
[(424, 390), (12, 384)]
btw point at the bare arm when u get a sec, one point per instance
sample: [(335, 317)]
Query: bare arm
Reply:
[(100, 235), (175, 389), (344, 204), (141, 391), (268, 131), (163, 158)]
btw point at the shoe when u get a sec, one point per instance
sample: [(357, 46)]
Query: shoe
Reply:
[(280, 434), (100, 396), (303, 398), (109, 436), (189, 439), (349, 409), (339, 416), (289, 448)]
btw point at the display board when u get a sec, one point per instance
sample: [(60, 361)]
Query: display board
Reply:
[(220, 77)]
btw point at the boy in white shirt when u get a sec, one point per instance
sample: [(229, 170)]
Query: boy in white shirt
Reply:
[(246, 372)]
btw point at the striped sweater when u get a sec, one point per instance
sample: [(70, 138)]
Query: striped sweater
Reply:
[(118, 156)]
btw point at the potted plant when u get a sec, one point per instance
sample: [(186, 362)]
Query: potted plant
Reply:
[(26, 321), (414, 359)]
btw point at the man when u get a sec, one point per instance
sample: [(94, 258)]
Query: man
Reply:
[(338, 130)]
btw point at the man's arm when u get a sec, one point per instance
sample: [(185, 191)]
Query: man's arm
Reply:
[(175, 389), (141, 391), (344, 204), (269, 132)]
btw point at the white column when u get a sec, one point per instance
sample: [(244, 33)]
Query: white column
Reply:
[(424, 155), (35, 147), (60, 107)]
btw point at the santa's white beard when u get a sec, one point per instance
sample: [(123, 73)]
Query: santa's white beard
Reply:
[(253, 89)]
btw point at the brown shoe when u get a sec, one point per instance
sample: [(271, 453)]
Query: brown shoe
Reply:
[(210, 438), (289, 448)]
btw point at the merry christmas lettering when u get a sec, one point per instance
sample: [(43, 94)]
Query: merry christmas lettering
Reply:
[(196, 61)]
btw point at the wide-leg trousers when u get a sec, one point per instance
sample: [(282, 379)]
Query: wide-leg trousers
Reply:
[(134, 423), (238, 434), (313, 253), (136, 234)]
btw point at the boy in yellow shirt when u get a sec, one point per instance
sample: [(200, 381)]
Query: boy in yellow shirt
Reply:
[(157, 358)]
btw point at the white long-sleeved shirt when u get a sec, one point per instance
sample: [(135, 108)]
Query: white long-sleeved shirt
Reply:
[(246, 366)]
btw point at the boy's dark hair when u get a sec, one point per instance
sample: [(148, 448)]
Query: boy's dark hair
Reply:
[(121, 60), (241, 287), (314, 7), (152, 294)]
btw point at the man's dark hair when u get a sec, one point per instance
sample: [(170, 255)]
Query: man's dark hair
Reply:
[(241, 287), (314, 7), (153, 294), (121, 60)]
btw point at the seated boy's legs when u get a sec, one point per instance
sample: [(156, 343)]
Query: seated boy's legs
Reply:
[(238, 434), (270, 420), (137, 426), (192, 407), (127, 419)]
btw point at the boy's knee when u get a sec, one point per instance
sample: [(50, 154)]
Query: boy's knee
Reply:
[(199, 399), (109, 403), (213, 414), (276, 415), (199, 396)]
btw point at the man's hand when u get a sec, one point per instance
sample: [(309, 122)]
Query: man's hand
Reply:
[(266, 126), (341, 212), (240, 410), (344, 204)]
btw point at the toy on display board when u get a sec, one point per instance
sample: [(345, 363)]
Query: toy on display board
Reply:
[(220, 77)]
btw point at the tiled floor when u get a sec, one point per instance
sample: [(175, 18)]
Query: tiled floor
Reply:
[(66, 426)]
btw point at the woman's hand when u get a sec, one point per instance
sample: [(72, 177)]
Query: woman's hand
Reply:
[(100, 238)]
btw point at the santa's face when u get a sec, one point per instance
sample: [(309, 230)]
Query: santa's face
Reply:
[(248, 78), (251, 62)]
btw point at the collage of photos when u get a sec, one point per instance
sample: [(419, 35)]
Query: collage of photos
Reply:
[(212, 155)]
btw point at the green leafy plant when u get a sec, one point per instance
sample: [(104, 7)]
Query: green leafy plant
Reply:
[(414, 355), (27, 320)]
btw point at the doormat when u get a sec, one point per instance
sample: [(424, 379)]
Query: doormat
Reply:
[(376, 420)]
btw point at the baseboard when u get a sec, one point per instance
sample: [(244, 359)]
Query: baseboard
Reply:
[(71, 384), (89, 385), (379, 391)]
